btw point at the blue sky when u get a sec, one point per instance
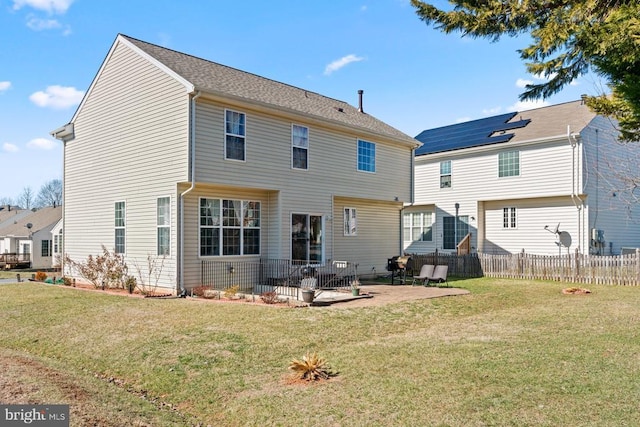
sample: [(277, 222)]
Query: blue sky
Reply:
[(413, 77)]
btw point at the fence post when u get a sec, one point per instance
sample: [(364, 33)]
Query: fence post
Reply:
[(637, 260), (576, 274)]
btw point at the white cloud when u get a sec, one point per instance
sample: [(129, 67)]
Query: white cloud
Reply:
[(463, 119), (9, 148), (51, 6), (339, 63), (527, 105), (57, 97), (491, 111), (37, 24), (523, 83), (42, 144), (4, 86)]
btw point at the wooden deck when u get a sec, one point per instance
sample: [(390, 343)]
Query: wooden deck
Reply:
[(12, 260)]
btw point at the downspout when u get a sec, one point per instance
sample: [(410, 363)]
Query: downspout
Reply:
[(573, 141), (192, 148)]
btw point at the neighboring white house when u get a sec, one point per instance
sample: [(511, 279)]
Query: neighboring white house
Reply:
[(546, 181), (28, 235), (174, 156)]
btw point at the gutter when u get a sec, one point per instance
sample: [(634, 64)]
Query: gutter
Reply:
[(192, 147), (574, 140)]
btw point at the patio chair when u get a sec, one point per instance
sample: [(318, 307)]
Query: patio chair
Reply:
[(439, 275), (426, 271)]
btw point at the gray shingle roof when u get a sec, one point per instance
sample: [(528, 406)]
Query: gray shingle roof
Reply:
[(222, 80), (39, 219)]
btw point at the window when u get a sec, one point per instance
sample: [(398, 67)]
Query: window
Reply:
[(299, 147), (57, 243), (453, 232), (229, 227), (508, 217), (366, 156), (119, 227), (509, 163), (445, 174), (418, 226), (46, 248), (163, 223), (234, 133), (350, 222)]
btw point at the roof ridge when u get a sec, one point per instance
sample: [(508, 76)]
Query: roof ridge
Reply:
[(235, 69)]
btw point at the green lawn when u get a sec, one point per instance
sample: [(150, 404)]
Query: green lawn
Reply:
[(513, 353)]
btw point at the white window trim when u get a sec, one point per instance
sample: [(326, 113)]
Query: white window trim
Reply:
[(158, 227), (220, 228), (512, 217), (375, 149), (293, 146), (519, 165), (224, 119), (422, 226), (450, 174), (123, 227), (350, 228)]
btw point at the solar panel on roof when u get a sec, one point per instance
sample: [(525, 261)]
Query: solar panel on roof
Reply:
[(468, 134)]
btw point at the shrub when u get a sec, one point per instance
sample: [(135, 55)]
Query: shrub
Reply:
[(106, 270), (41, 276), (269, 297), (67, 281), (310, 368), (231, 291), (130, 284)]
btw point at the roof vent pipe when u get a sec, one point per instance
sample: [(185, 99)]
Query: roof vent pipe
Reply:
[(360, 92)]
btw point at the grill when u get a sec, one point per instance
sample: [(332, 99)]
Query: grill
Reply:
[(398, 266)]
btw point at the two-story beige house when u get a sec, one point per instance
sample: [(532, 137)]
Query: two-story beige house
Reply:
[(174, 156)]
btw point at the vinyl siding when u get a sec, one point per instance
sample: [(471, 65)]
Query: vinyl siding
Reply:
[(607, 163), (530, 234), (546, 170), (378, 235), (268, 160), (131, 145), (192, 258)]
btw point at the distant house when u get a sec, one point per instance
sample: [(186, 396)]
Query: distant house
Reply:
[(28, 235), (174, 156), (546, 181)]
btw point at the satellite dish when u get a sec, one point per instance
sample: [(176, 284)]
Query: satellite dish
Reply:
[(557, 227), (565, 239)]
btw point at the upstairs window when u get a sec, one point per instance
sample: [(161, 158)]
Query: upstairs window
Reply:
[(445, 174), (366, 156), (509, 163), (119, 225), (234, 134), (299, 147)]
